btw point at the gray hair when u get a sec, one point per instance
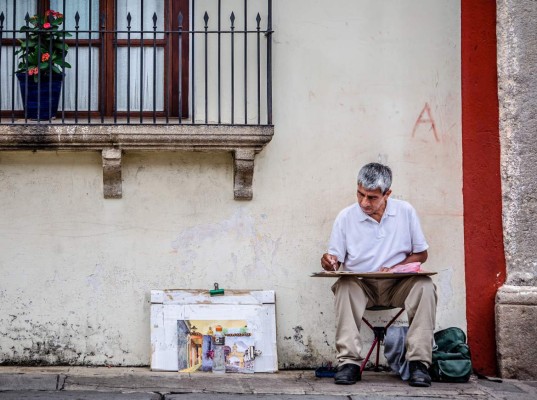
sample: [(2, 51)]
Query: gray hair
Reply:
[(375, 176)]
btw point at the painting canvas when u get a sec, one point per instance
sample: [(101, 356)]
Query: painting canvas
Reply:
[(183, 323), (195, 345), (239, 359)]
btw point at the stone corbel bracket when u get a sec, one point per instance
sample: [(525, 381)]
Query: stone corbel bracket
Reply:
[(243, 141), (112, 173), (243, 176)]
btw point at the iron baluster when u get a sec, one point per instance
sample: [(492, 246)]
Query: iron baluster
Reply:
[(63, 59), (129, 19), (39, 81), (154, 68), (206, 19), (1, 37), (27, 19), (101, 72), (232, 18), (269, 64), (193, 52), (141, 60), (50, 78), (168, 81), (245, 62), (219, 59), (180, 36), (90, 37), (258, 20), (115, 63), (77, 33), (13, 64)]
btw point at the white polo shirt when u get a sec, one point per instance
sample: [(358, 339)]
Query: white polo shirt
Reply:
[(362, 244)]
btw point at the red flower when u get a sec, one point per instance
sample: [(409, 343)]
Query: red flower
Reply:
[(42, 42)]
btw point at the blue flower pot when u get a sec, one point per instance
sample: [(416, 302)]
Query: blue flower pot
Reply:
[(43, 96)]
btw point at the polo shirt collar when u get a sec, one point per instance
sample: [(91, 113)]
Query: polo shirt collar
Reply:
[(390, 210)]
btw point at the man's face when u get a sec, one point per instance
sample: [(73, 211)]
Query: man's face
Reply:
[(372, 202)]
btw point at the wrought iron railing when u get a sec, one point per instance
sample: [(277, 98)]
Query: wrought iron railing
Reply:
[(206, 67)]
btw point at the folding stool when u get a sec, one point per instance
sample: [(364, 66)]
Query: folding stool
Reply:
[(379, 332)]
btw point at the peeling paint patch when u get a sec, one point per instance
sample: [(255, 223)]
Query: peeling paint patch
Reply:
[(325, 339), (298, 334), (56, 343)]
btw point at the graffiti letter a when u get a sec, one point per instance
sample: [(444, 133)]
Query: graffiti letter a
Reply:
[(426, 117)]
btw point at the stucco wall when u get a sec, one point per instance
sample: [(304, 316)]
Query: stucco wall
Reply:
[(350, 81)]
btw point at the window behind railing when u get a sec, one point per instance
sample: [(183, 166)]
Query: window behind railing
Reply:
[(145, 62)]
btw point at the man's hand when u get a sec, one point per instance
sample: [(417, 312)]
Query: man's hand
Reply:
[(329, 262), (385, 269)]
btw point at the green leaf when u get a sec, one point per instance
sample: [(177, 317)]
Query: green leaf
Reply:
[(63, 64), (61, 46), (32, 58)]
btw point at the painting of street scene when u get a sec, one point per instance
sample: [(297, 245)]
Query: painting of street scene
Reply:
[(196, 345)]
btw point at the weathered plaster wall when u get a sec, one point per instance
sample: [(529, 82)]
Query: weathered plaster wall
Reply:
[(355, 82), (516, 304)]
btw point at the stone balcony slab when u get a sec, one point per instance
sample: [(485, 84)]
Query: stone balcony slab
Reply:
[(243, 141)]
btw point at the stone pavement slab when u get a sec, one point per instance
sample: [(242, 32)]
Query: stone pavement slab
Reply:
[(75, 395), (218, 396), (509, 389), (207, 396), (28, 381), (280, 385)]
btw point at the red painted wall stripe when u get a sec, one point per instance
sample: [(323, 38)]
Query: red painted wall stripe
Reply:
[(483, 233)]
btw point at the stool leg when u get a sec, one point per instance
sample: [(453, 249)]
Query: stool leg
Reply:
[(377, 360), (375, 343), (394, 318)]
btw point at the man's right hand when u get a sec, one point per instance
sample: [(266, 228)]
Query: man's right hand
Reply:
[(329, 262)]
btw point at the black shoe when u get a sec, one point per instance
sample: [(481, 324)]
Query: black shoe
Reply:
[(419, 376), (347, 374)]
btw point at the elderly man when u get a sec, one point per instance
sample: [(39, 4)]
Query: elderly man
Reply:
[(375, 234)]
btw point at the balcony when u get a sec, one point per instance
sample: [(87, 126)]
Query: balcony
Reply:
[(155, 75)]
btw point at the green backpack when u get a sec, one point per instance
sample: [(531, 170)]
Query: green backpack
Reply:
[(451, 359)]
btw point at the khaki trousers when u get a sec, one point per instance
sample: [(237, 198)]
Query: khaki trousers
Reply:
[(416, 294)]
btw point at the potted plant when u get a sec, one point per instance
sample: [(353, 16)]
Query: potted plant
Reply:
[(42, 62)]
